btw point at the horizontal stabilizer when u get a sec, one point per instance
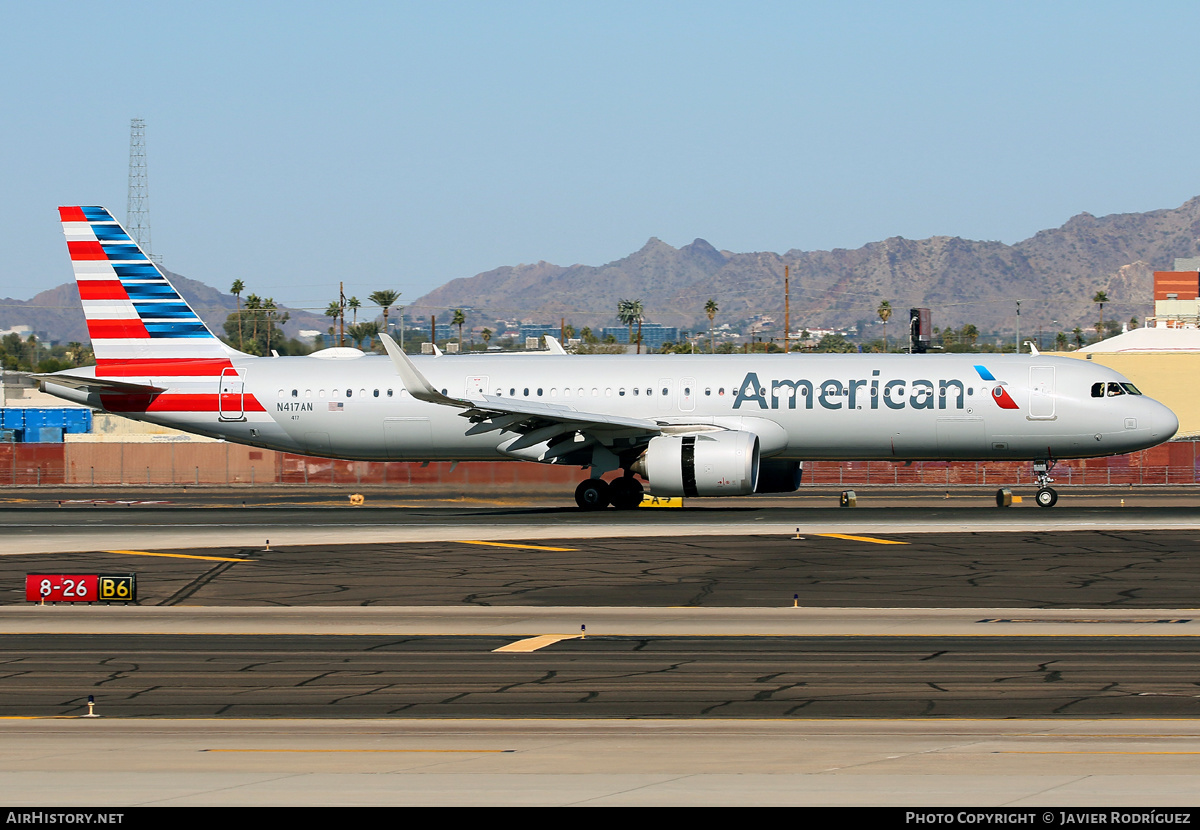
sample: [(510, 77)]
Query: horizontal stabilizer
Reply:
[(99, 384)]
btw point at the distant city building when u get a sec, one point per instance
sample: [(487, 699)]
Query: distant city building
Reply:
[(653, 335), (535, 330)]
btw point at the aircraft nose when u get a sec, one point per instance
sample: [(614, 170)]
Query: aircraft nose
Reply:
[(1163, 422)]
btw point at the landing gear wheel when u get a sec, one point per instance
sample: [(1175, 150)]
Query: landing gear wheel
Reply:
[(592, 494), (625, 493), (1046, 497)]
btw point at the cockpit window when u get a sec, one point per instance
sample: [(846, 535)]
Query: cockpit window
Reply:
[(1131, 389), (1115, 389), (1097, 390)]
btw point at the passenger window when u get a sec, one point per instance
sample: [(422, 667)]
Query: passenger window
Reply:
[(389, 393), (621, 392), (554, 392), (527, 391), (636, 391), (362, 393), (608, 392), (512, 393), (649, 391), (308, 393), (707, 391), (539, 391), (349, 393), (295, 393), (685, 391), (321, 393), (377, 393), (281, 393), (721, 391)]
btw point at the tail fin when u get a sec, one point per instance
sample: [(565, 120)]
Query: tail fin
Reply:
[(134, 315)]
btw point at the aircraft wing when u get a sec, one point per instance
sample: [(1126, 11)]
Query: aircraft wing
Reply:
[(530, 418), (99, 384)]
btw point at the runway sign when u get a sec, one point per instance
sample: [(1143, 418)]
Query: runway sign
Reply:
[(80, 587)]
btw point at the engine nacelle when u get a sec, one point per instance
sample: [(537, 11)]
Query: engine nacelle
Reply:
[(779, 476), (709, 464)]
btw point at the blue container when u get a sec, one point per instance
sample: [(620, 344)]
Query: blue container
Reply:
[(79, 421), (47, 418), (47, 435), (12, 417)]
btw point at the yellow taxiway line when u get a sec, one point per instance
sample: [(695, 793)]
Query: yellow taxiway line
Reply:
[(861, 538), (508, 545), (177, 555), (534, 643)]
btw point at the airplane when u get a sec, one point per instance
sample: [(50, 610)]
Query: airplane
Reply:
[(688, 425)]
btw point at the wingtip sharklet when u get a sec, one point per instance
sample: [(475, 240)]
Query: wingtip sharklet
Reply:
[(411, 376)]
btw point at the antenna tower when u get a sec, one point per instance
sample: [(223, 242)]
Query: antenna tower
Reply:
[(137, 210)]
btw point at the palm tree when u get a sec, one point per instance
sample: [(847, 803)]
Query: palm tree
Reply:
[(1061, 340), (971, 332), (630, 312), (253, 304), (486, 334), (384, 299), (74, 352), (711, 308), (236, 290), (1100, 299), (458, 319), (354, 304), (366, 330), (269, 307), (1078, 332), (884, 311)]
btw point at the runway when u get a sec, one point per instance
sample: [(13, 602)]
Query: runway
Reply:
[(466, 762), (920, 654)]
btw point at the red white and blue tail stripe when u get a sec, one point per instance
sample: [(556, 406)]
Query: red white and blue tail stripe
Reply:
[(136, 319)]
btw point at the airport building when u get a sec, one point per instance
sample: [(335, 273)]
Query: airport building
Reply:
[(1177, 295)]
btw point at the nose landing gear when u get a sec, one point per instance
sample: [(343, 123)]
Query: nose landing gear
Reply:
[(1046, 496)]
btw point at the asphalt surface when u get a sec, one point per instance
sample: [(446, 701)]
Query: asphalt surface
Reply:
[(1082, 569), (600, 677)]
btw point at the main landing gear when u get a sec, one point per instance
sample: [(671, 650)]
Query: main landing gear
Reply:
[(1046, 496), (622, 493)]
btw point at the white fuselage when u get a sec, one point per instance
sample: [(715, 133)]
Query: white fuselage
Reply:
[(841, 407)]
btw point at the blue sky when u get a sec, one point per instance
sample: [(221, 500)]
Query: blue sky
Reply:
[(402, 145)]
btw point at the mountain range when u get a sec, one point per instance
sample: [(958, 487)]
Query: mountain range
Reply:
[(1055, 273)]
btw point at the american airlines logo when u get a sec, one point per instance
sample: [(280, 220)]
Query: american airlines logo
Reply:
[(872, 393)]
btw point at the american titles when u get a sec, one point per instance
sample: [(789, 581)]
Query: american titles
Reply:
[(851, 394)]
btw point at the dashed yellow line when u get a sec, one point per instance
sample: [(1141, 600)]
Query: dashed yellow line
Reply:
[(177, 555), (507, 545), (861, 538)]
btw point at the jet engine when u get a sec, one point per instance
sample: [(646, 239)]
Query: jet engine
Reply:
[(709, 464), (779, 476)]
